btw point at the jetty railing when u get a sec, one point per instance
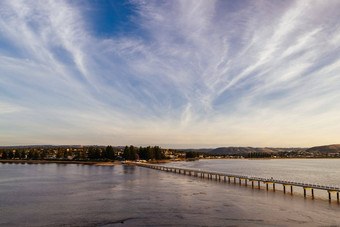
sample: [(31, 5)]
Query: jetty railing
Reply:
[(246, 179)]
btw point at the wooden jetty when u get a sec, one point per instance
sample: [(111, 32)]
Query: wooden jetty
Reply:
[(247, 179)]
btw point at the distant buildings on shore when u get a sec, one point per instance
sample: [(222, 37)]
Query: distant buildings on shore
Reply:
[(149, 153)]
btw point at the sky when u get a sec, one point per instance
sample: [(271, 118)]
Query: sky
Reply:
[(179, 74)]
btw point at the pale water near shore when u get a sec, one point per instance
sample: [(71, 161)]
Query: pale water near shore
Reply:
[(83, 195), (313, 171)]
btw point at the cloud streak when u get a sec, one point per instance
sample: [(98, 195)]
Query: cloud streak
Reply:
[(187, 74)]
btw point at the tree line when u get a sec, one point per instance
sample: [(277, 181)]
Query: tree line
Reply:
[(85, 153), (258, 155), (144, 153), (192, 154)]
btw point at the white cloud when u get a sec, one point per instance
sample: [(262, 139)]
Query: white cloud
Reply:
[(196, 72), (6, 108)]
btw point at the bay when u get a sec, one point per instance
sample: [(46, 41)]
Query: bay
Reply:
[(84, 195)]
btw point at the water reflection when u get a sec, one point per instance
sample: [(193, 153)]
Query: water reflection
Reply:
[(316, 171), (83, 195), (129, 169)]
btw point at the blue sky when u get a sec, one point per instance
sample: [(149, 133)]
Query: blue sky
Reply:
[(170, 73)]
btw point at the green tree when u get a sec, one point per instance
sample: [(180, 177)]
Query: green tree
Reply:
[(4, 155), (142, 152), (191, 154), (159, 155), (97, 153), (23, 154), (10, 154), (130, 153), (126, 153), (150, 153), (94, 153), (104, 153), (91, 153), (133, 153), (30, 155), (35, 155), (110, 154)]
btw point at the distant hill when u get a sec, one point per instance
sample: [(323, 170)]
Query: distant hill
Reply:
[(333, 148), (247, 150)]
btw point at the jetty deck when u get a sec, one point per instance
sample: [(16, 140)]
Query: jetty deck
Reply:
[(247, 179)]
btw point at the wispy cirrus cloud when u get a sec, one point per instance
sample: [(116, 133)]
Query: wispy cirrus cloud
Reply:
[(188, 73)]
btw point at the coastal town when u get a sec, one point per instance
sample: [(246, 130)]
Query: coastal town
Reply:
[(150, 153)]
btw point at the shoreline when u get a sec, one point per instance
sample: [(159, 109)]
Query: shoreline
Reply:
[(104, 163)]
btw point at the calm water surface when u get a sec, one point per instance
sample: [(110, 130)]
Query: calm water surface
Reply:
[(82, 195)]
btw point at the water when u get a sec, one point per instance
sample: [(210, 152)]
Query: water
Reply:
[(83, 195), (321, 171)]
